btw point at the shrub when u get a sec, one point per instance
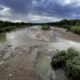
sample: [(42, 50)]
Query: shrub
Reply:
[(75, 29), (46, 27), (69, 60), (72, 68), (68, 27)]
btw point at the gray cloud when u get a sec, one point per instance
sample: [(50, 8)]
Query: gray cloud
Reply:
[(20, 6), (22, 9), (58, 8)]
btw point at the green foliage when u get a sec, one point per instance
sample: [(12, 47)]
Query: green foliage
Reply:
[(2, 37), (73, 25), (72, 68), (70, 61), (68, 27), (75, 29), (68, 24), (45, 27), (68, 54), (7, 26)]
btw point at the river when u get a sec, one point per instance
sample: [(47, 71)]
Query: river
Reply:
[(25, 54)]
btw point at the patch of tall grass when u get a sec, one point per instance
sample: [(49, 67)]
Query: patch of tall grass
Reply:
[(69, 60)]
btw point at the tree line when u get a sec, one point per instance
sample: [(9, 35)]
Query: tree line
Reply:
[(7, 26), (73, 25)]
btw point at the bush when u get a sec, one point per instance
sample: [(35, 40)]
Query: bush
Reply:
[(46, 27), (72, 68), (69, 60), (75, 29), (68, 27)]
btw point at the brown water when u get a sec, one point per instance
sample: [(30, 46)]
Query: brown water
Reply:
[(26, 54)]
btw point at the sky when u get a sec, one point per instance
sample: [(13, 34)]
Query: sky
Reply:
[(39, 10)]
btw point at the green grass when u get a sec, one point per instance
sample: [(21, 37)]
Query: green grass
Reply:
[(69, 60)]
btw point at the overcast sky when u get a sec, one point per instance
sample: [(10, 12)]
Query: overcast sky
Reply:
[(39, 10)]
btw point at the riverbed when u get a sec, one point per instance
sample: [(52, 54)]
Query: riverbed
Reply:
[(26, 54)]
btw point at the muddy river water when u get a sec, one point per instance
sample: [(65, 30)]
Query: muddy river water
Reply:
[(26, 54)]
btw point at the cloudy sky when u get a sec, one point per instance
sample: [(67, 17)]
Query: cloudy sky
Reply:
[(39, 10)]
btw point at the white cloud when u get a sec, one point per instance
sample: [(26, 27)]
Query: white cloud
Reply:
[(39, 18), (5, 11), (75, 3), (29, 18), (63, 2), (17, 21)]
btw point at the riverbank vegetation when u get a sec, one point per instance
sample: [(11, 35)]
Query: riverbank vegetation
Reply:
[(45, 27), (75, 29), (7, 26), (69, 60), (71, 25)]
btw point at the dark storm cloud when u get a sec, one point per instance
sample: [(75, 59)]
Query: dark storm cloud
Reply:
[(20, 6), (59, 8), (13, 10)]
